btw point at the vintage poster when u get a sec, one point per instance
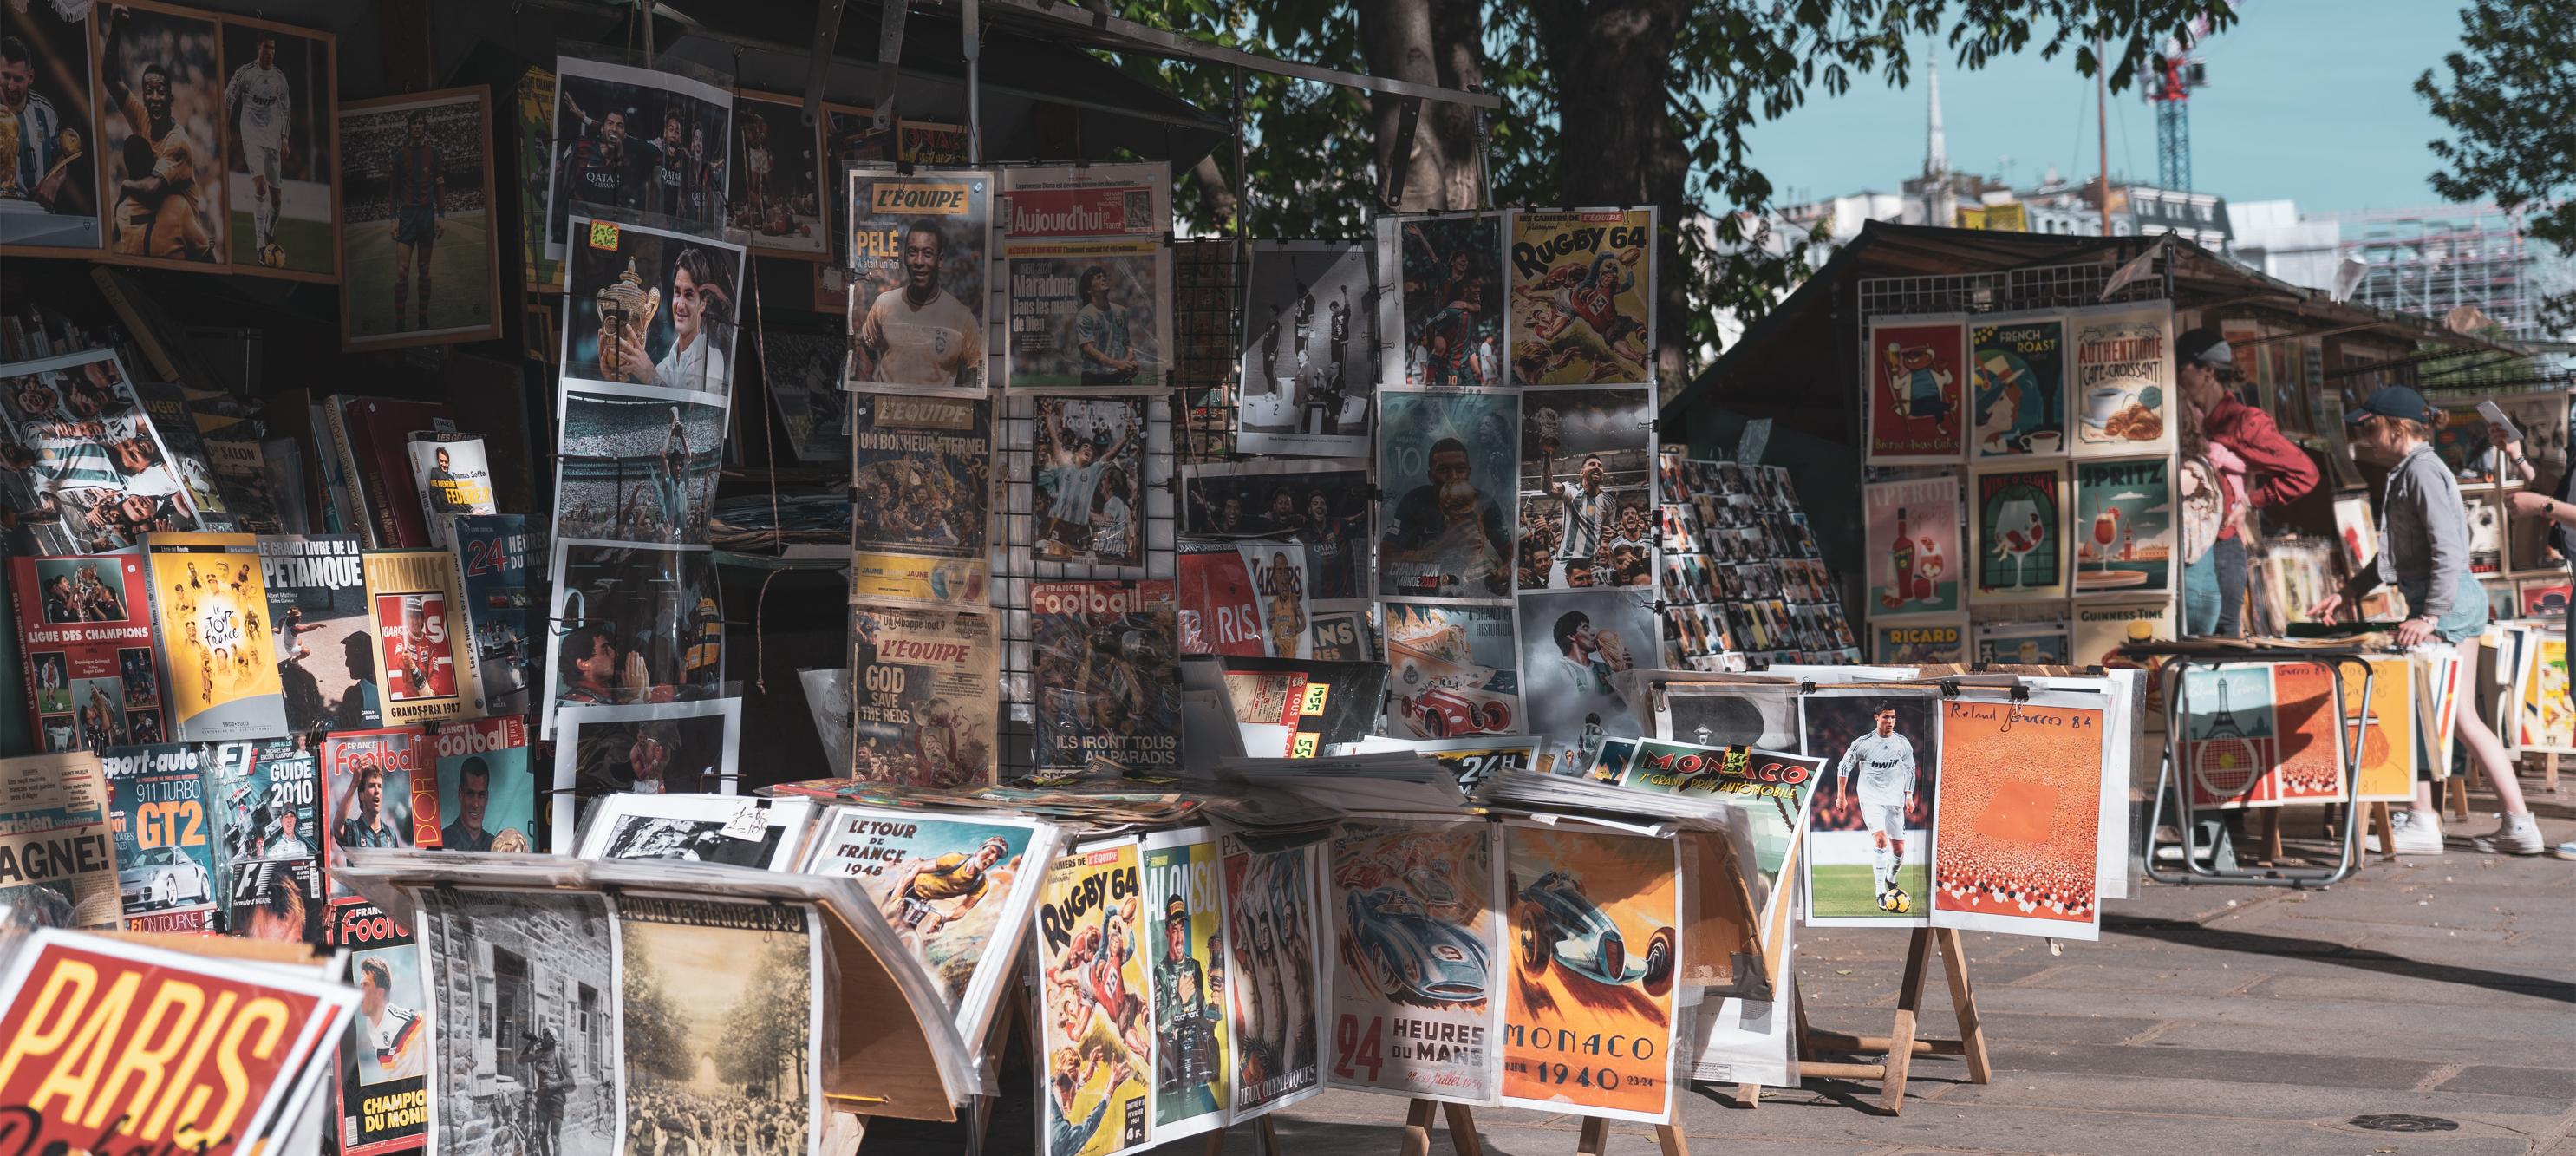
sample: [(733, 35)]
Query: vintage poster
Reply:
[(1089, 466), (956, 890), (160, 87), (165, 837), (1271, 983), (82, 465), (652, 748), (917, 259), (635, 463), (523, 1002), (377, 791), (1095, 1020), (381, 1085), (1772, 788), (422, 666), (1720, 714), (1310, 350), (2486, 536), (777, 193), (1185, 956), (281, 182), (632, 623), (2101, 629), (532, 116), (487, 791), (49, 196), (2231, 736), (265, 797), (2383, 714), (1089, 279), (219, 679), (1454, 670), (492, 552), (1106, 660), (1583, 297), (421, 261), (1869, 835), (1247, 598), (57, 851), (1324, 507), (921, 473), (2014, 831), (1412, 1005), (721, 1018), (2124, 527), (646, 306), (752, 831), (85, 631), (1911, 538), (2543, 718), (1587, 498), (1589, 1017), (1444, 317), (1916, 371), (846, 136), (2039, 643), (2122, 395), (317, 604), (2020, 372), (1572, 644), (1449, 478), (930, 142), (2312, 759), (636, 139), (1343, 636), (75, 1006), (2017, 524), (2540, 597), (927, 693)]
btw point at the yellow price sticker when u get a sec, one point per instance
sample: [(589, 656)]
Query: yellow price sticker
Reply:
[(1304, 748), (1316, 693), (603, 235)]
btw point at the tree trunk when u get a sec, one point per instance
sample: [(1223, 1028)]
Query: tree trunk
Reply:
[(1436, 42)]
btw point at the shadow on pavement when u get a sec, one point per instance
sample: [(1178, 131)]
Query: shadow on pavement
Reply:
[(2190, 934)]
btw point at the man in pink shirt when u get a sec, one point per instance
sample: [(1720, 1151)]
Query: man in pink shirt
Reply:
[(2276, 471)]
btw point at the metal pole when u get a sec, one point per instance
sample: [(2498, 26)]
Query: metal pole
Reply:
[(974, 85), (2102, 127)]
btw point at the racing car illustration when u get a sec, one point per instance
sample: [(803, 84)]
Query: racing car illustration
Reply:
[(1441, 713), (1410, 956), (1560, 923)]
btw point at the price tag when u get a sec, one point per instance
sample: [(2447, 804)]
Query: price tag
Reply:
[(603, 235), (1316, 693), (749, 823)]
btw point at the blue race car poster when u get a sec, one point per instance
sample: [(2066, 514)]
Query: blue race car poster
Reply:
[(1588, 1012), (1412, 1003)]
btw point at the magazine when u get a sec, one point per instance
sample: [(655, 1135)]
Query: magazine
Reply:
[(92, 658), (54, 808), (219, 674), (454, 478), (326, 656), (737, 831), (165, 843)]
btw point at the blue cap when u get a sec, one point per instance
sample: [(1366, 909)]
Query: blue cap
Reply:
[(2392, 401)]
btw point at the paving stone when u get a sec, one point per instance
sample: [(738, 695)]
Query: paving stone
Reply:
[(2498, 1080)]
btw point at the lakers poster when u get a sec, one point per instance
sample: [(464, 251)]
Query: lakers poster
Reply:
[(220, 651), (1588, 1014), (1582, 309), (1096, 1075)]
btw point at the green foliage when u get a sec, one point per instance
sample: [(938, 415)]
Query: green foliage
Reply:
[(2511, 99)]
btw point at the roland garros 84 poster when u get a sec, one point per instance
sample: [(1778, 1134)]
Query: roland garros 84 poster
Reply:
[(1588, 1014)]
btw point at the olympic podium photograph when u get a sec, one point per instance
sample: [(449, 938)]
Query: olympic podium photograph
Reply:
[(418, 264), (282, 150)]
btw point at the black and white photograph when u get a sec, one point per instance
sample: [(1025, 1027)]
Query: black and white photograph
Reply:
[(649, 748), (1089, 462), (633, 623), (49, 192), (649, 307), (723, 1010), (638, 140), (727, 830), (523, 991), (1088, 278), (776, 187), (637, 464), (1587, 504), (917, 260), (803, 374), (419, 263), (1310, 357), (1573, 643), (282, 162)]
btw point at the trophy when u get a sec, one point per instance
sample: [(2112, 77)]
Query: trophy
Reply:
[(622, 303), (1551, 427)]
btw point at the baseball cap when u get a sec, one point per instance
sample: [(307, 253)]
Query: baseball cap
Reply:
[(2205, 345), (2391, 401)]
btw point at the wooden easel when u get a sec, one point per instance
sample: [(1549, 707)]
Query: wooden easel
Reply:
[(1900, 1045), (1593, 1140)]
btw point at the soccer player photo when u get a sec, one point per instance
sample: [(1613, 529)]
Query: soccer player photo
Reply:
[(917, 246), (163, 108), (48, 131), (637, 464), (1090, 464), (635, 139), (1446, 311), (418, 265), (1587, 505), (651, 307), (1447, 463), (1089, 281), (283, 142), (776, 190), (1869, 844)]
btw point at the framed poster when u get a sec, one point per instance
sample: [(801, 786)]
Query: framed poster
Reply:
[(2124, 379), (2019, 366), (1915, 369), (419, 263), (49, 193), (1912, 543), (2124, 527), (159, 90), (2018, 524), (777, 188), (281, 173)]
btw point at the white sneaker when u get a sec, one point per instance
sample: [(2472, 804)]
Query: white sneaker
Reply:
[(2417, 834), (2516, 835)]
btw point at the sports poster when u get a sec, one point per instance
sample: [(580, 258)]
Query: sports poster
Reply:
[(1444, 314), (803, 374), (49, 198), (2543, 719), (2123, 388), (1413, 1006), (1582, 297), (420, 262), (647, 306), (710, 985), (536, 953), (917, 260), (92, 668), (54, 810), (2124, 527), (2019, 367), (215, 637), (1343, 636), (1723, 714), (1869, 831), (2044, 643), (1097, 1071), (1310, 352), (491, 553), (927, 690), (422, 668), (1918, 641), (487, 791), (165, 837), (921, 474), (2383, 714), (1334, 704), (759, 833), (635, 139), (1106, 664), (2014, 832), (636, 463), (651, 748), (930, 142), (1089, 280), (282, 169), (381, 1087), (1089, 463), (177, 221), (1448, 470), (532, 115), (377, 791), (1587, 497), (1454, 670), (1910, 534), (1589, 1013), (1573, 643), (317, 609), (264, 798), (1272, 987), (2231, 737), (1245, 598), (1915, 369), (2017, 525), (632, 623), (81, 464), (1184, 921), (1322, 506), (956, 890), (777, 193)]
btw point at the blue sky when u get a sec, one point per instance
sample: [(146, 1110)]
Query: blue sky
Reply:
[(2310, 100)]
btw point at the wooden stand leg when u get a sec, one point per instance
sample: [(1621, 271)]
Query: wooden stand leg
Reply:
[(1748, 1096), (2549, 772), (1462, 1130), (2387, 828), (1669, 1138), (1594, 1139), (1418, 1116), (1900, 1039), (1269, 1135), (1963, 1003), (2459, 795), (1215, 1143)]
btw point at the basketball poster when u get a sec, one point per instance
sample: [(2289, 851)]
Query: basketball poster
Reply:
[(1916, 372), (2015, 827)]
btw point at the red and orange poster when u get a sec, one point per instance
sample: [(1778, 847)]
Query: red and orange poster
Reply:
[(2385, 714), (1916, 371), (2018, 816), (2311, 765), (1588, 1012)]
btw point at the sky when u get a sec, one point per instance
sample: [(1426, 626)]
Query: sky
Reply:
[(2308, 100)]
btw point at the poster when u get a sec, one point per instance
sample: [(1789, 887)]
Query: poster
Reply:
[(654, 748), (1772, 788), (1589, 1015), (647, 306), (1413, 1007), (1184, 888), (1721, 714), (802, 372), (1454, 670), (2124, 526), (2543, 717), (2231, 738), (922, 484), (2486, 536), (634, 139), (2383, 714), (1089, 461), (1916, 371), (636, 463), (220, 680), (1322, 506), (721, 1019), (2018, 528), (49, 195), (1095, 1039), (421, 263), (523, 996), (57, 851), (1573, 643), (2045, 643), (377, 791), (85, 632), (1310, 350), (81, 464), (2123, 389), (1869, 835), (930, 142), (1587, 500), (1106, 658), (2020, 374), (264, 798), (927, 693), (487, 791), (532, 116), (1448, 472), (2312, 759), (1245, 598), (1911, 537), (2014, 831), (282, 170), (160, 89), (917, 292), (2101, 629), (1444, 317), (757, 833), (491, 552), (1089, 280), (1271, 979), (632, 623), (1917, 641), (165, 841), (423, 668), (317, 607), (1583, 297), (777, 186), (1474, 759)]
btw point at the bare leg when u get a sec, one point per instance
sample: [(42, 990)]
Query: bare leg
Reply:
[(2484, 746)]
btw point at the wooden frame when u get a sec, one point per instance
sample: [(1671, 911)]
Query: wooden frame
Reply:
[(822, 190), (491, 327), (220, 207), (322, 124), (87, 50)]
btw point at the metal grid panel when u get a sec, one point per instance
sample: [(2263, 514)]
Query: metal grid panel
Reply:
[(2006, 290)]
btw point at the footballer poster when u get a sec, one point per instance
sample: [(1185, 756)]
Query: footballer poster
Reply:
[(421, 259), (1594, 952), (1443, 312), (2123, 388), (927, 691), (1587, 498), (487, 791), (2018, 816), (1089, 461), (1453, 670), (1869, 831), (2018, 530), (1088, 277), (1323, 506), (1916, 371), (1449, 472), (1310, 357), (1106, 658), (636, 463), (1272, 984), (49, 203), (917, 259), (1582, 308), (1418, 946), (215, 637), (922, 482), (421, 667), (1097, 1071), (1184, 938), (2020, 375), (1911, 537), (1573, 644), (2124, 526), (83, 468), (635, 139), (381, 1088)]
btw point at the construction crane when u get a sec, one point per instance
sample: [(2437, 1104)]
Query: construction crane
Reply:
[(2170, 89)]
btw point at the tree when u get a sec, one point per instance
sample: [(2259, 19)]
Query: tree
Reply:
[(2512, 103)]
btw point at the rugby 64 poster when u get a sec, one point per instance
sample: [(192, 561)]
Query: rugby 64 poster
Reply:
[(1583, 292), (1916, 372), (1417, 938), (1588, 1015), (1096, 1049)]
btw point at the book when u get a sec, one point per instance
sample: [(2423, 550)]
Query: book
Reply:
[(411, 602), (453, 476), (211, 605), (242, 476), (83, 468), (377, 433), (487, 791), (380, 1086), (89, 651), (317, 611), (491, 553)]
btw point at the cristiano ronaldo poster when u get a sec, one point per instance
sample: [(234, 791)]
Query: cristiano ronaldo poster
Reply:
[(1869, 831)]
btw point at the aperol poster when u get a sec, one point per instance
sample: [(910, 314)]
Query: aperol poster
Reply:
[(2019, 534), (1417, 941), (2018, 816), (1917, 374), (2386, 714), (1588, 1013)]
